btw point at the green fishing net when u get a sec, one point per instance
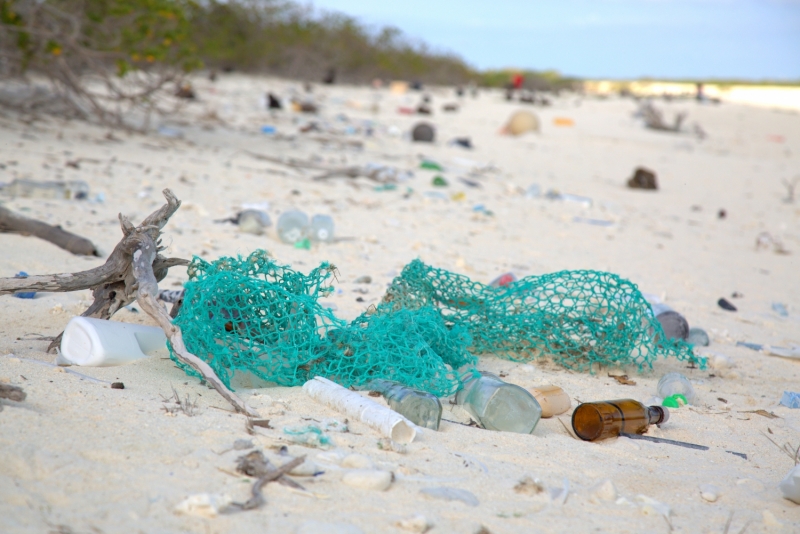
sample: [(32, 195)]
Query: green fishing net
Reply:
[(254, 316)]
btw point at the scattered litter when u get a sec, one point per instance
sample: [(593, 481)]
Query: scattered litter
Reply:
[(593, 222), (391, 424), (595, 421), (99, 343), (420, 407), (430, 165), (674, 401), (503, 280), (268, 129), (167, 131), (451, 494), (725, 305), (365, 279), (439, 181), (530, 486), (675, 383), (643, 179), (463, 142), (21, 188), (790, 399), (552, 399), (563, 121), (498, 405), (23, 294), (117, 385), (698, 336), (253, 221), (780, 309), (311, 435), (206, 505), (790, 485)]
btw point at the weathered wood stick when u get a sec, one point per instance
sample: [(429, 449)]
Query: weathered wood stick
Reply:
[(146, 295), (19, 224)]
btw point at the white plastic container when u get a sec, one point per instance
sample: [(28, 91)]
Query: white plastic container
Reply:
[(100, 343)]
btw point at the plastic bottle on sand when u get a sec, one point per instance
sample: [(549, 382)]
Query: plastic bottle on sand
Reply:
[(292, 226)]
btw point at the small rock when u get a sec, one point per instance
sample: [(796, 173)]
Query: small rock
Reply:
[(725, 305), (306, 469), (318, 527), (451, 494), (698, 336), (417, 523), (242, 444), (357, 461), (372, 479), (423, 133), (643, 179), (709, 492), (203, 505), (650, 506), (604, 491), (366, 279)]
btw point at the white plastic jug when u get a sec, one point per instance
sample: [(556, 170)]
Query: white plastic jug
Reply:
[(100, 343)]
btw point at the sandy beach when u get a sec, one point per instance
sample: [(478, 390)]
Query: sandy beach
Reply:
[(77, 456)]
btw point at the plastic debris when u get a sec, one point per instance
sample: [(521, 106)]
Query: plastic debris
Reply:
[(451, 494), (790, 399), (780, 309), (24, 294), (790, 485), (311, 435), (206, 505)]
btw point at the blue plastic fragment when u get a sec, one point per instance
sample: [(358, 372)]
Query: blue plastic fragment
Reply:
[(24, 294), (791, 399)]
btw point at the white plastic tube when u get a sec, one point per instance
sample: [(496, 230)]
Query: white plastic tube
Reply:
[(99, 343), (388, 422)]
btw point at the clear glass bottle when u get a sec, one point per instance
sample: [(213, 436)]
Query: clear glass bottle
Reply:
[(292, 226), (498, 405), (420, 407), (595, 421), (674, 384), (321, 228)]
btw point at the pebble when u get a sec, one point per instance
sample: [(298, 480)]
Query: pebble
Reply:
[(318, 527), (725, 305), (698, 336), (366, 279), (417, 523), (203, 505), (605, 490), (306, 469), (372, 479), (709, 492), (451, 494), (357, 461)]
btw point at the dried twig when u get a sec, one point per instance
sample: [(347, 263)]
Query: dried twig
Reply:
[(255, 464), (187, 406), (19, 224)]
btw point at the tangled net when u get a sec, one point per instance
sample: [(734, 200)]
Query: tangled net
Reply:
[(253, 316)]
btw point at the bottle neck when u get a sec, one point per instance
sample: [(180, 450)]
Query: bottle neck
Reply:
[(657, 415)]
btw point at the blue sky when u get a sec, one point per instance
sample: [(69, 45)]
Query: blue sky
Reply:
[(755, 39)]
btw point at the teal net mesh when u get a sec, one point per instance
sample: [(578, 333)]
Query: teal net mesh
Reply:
[(254, 316)]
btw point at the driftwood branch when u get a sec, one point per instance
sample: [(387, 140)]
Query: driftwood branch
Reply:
[(256, 465), (113, 283), (19, 224), (143, 258), (131, 273)]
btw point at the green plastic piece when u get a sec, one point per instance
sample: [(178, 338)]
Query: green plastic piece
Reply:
[(303, 243), (675, 401), (385, 187), (439, 181), (255, 317), (430, 165)]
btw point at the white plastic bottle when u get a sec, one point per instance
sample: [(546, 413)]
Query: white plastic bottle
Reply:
[(322, 228), (292, 226), (675, 384)]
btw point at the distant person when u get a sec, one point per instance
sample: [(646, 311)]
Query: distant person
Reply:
[(700, 96), (273, 102), (517, 80)]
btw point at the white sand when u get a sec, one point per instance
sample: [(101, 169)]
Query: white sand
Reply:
[(81, 457)]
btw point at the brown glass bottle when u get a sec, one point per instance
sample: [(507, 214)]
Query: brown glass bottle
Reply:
[(593, 421)]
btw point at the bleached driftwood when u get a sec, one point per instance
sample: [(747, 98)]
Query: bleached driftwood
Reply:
[(131, 273)]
